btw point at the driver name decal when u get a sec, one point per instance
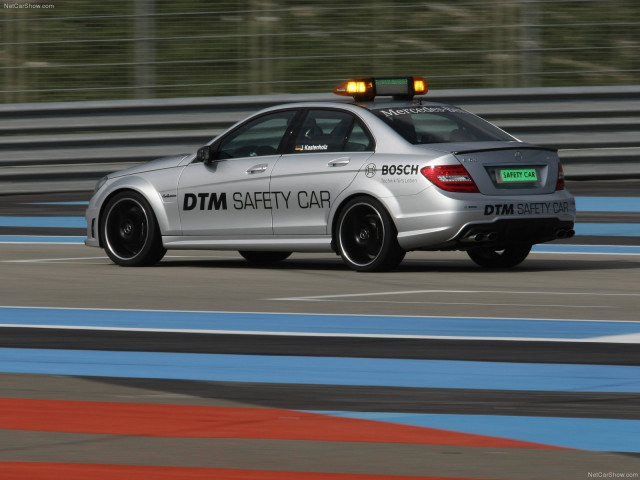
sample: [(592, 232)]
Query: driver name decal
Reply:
[(311, 148)]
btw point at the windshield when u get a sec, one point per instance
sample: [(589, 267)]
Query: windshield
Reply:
[(422, 124)]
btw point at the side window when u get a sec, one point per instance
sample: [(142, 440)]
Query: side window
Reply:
[(358, 140), (330, 131), (257, 138)]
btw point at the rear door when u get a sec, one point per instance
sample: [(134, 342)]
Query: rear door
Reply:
[(322, 159)]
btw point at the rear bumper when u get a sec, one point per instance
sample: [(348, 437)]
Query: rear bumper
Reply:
[(504, 232), (462, 222), (501, 233)]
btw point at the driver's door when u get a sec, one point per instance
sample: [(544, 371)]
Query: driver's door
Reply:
[(229, 195)]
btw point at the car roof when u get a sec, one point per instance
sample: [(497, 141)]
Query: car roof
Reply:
[(418, 101), (356, 106)]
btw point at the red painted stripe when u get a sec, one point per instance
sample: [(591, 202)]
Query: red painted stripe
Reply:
[(83, 471), (188, 421)]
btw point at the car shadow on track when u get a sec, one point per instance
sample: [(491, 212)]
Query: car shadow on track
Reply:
[(533, 265), (410, 265)]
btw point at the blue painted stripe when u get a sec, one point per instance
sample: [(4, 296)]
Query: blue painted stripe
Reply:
[(608, 204), (608, 229), (41, 239), (603, 249), (325, 370), (611, 435), (318, 324), (52, 222)]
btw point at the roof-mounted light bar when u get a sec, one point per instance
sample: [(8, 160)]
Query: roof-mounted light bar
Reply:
[(400, 88)]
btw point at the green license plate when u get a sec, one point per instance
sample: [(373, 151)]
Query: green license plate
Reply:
[(519, 175)]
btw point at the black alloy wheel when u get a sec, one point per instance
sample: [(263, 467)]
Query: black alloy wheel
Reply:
[(130, 233), (506, 258), (366, 236)]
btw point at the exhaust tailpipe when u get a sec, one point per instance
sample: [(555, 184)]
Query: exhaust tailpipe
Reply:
[(562, 233)]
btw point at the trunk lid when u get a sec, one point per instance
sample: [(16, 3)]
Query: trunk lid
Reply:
[(509, 169)]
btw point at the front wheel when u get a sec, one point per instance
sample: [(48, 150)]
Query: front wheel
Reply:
[(508, 257), (366, 236), (130, 233), (264, 258)]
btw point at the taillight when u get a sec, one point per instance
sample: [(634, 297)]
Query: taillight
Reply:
[(560, 181), (452, 178)]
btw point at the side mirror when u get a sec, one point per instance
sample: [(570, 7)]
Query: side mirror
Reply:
[(205, 154)]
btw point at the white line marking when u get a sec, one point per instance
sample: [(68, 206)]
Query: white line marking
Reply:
[(630, 338), (452, 303), (66, 259), (41, 242), (224, 312), (53, 260), (414, 292)]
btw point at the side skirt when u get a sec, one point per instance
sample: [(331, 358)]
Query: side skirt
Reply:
[(290, 243)]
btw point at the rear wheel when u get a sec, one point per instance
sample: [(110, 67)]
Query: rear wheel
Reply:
[(366, 236), (264, 258), (508, 257), (130, 233)]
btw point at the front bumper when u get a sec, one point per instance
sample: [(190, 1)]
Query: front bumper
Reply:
[(93, 239)]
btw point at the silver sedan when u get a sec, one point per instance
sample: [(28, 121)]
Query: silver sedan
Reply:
[(369, 180)]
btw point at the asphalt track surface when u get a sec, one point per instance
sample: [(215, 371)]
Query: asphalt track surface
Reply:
[(206, 367)]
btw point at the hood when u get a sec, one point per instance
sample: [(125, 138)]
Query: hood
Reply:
[(159, 164)]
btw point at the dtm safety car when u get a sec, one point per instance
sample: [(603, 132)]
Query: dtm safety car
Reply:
[(369, 179)]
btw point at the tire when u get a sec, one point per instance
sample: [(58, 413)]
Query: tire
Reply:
[(366, 236), (508, 257), (129, 231), (264, 258)]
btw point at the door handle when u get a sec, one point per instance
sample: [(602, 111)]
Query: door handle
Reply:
[(339, 162), (257, 168)]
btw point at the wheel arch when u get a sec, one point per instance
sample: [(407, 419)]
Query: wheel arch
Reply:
[(341, 205), (154, 201)]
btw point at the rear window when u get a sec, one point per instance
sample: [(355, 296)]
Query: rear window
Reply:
[(422, 124)]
